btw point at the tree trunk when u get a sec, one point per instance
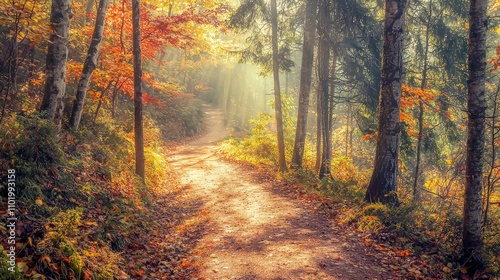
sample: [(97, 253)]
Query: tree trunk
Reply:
[(89, 9), (476, 103), (31, 70), (305, 83), (416, 188), (319, 143), (101, 99), (57, 56), (12, 66), (323, 76), (490, 180), (138, 126), (277, 93), (383, 183), (347, 130), (423, 85), (225, 95), (89, 65), (99, 104)]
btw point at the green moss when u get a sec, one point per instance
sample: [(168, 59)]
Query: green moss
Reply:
[(5, 273)]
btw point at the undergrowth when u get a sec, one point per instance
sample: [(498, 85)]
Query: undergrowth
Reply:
[(79, 203)]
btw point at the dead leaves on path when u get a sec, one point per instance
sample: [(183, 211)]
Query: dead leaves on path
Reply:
[(164, 249)]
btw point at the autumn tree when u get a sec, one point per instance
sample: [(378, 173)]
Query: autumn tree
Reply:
[(383, 183), (89, 65), (476, 111), (138, 125), (57, 54)]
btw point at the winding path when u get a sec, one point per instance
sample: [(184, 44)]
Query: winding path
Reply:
[(256, 228)]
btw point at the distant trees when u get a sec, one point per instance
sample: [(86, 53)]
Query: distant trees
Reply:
[(57, 55), (476, 111), (383, 183), (251, 16)]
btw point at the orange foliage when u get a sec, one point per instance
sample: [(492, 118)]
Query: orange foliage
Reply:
[(158, 33), (410, 99)]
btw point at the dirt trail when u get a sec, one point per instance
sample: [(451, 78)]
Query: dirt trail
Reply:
[(255, 229)]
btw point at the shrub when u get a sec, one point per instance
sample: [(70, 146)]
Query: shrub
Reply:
[(400, 220), (31, 146), (259, 148)]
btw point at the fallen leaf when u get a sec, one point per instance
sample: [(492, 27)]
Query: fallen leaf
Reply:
[(87, 275), (22, 267)]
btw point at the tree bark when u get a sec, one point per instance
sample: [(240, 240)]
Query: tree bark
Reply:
[(277, 93), (305, 83), (383, 182), (476, 103), (138, 126), (57, 56), (89, 65), (323, 76)]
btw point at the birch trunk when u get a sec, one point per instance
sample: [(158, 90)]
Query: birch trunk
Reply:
[(89, 65), (383, 183), (476, 103), (57, 56)]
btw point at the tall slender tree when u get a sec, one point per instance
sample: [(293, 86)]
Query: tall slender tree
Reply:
[(57, 56), (277, 93), (305, 83), (138, 125), (89, 65), (476, 111), (423, 85), (323, 75), (383, 183)]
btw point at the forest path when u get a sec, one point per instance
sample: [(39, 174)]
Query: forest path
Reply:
[(256, 229)]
